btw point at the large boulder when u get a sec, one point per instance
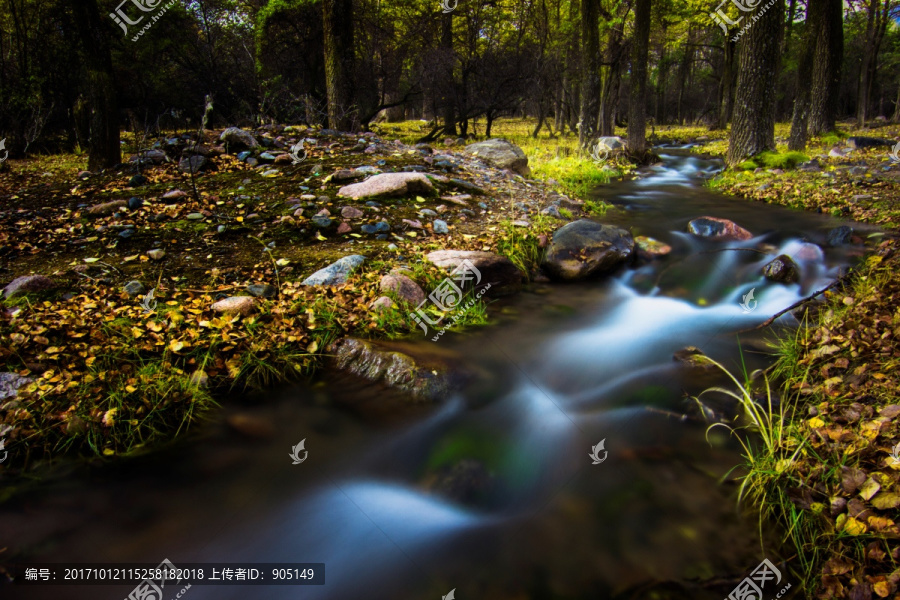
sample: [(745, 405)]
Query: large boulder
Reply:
[(498, 271), (337, 272), (27, 284), (586, 248), (720, 230), (502, 154), (238, 139), (425, 377), (388, 184)]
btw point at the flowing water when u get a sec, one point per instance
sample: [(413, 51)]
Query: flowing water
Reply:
[(493, 492)]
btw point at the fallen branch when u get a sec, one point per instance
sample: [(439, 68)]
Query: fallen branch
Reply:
[(771, 319)]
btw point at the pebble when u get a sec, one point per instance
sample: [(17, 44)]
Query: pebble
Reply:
[(440, 226), (157, 254)]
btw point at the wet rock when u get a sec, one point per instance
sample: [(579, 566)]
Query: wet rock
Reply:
[(135, 203), (10, 384), (262, 290), (135, 288), (382, 304), (649, 248), (28, 284), (266, 157), (388, 184), (804, 251), (839, 236), (242, 305), (157, 254), (236, 138), (405, 288), (782, 270), (468, 186), (836, 153), (612, 142), (351, 212), (324, 213), (498, 271), (440, 227), (426, 378), (585, 248), (502, 154), (337, 272), (857, 141), (344, 228), (717, 229), (107, 208), (284, 159)]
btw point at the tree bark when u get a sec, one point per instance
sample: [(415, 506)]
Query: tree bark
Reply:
[(727, 86), (590, 76), (637, 113), (753, 129), (798, 137), (105, 150), (826, 78), (337, 20)]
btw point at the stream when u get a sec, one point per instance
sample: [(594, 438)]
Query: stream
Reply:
[(492, 493)]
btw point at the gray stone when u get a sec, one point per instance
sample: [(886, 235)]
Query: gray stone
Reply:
[(388, 184), (502, 154), (10, 384), (195, 164), (381, 304), (714, 228), (496, 270), (351, 212), (237, 138), (839, 236), (440, 226), (321, 221), (135, 203), (173, 196), (585, 249), (337, 272)]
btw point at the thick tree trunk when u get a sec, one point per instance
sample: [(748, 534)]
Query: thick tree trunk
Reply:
[(105, 150), (684, 70), (590, 76), (862, 91), (753, 129), (798, 137), (637, 113), (826, 78), (448, 105), (337, 20)]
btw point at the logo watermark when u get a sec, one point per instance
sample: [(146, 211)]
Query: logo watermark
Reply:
[(450, 595), (447, 8), (751, 587), (600, 151), (720, 18), (296, 149), (295, 452), (748, 304), (148, 588), (894, 154), (448, 297), (148, 303), (146, 6), (5, 151), (595, 452), (895, 454)]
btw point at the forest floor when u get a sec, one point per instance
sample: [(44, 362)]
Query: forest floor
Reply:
[(109, 377), (832, 476)]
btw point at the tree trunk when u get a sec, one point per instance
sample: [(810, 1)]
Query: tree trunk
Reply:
[(727, 86), (448, 112), (798, 137), (637, 113), (684, 70), (753, 129), (105, 150), (862, 90), (337, 21), (590, 76), (826, 78)]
